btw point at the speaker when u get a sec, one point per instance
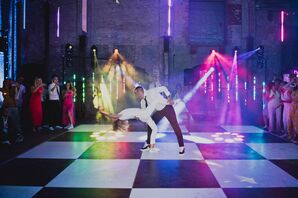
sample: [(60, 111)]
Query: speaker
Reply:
[(166, 44), (250, 43), (188, 77), (82, 43)]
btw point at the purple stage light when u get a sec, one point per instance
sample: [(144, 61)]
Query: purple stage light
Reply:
[(282, 20), (58, 22), (84, 15), (24, 14), (169, 17)]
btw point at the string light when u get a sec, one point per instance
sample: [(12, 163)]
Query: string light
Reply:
[(254, 88), (212, 87), (74, 84), (205, 85), (263, 90), (93, 84), (228, 89), (83, 90), (219, 82), (236, 78)]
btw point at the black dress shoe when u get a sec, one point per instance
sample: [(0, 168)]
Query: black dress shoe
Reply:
[(145, 148), (182, 152)]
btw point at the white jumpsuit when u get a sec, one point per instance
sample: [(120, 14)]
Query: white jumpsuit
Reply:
[(143, 115)]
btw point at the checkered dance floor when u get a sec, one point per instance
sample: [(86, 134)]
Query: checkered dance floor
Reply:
[(90, 161)]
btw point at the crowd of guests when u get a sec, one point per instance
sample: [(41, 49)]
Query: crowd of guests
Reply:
[(280, 110), (49, 107)]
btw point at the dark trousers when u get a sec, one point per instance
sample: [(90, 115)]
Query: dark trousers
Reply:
[(170, 114), (54, 112), (45, 113)]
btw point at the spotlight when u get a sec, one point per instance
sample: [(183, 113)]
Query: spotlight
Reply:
[(261, 47), (261, 57), (93, 55), (235, 49), (260, 52), (94, 50), (68, 47), (68, 55)]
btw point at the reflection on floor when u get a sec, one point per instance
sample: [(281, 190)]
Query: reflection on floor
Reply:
[(93, 161)]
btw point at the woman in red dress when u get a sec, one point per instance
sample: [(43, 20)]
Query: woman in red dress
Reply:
[(68, 105), (35, 103)]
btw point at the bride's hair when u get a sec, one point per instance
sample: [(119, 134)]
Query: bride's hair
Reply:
[(120, 125)]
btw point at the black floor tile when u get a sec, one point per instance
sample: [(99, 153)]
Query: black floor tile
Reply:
[(228, 151), (31, 172), (83, 192), (174, 174), (290, 166), (30, 140), (261, 192), (261, 138)]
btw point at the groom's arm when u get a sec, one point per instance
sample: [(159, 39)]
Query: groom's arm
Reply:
[(162, 89), (165, 90)]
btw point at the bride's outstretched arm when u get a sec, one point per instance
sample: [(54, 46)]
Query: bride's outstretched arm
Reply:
[(110, 115)]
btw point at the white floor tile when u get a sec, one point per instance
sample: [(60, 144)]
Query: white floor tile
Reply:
[(276, 150), (91, 128), (168, 128), (178, 193), (170, 151), (250, 173), (123, 137), (216, 137), (98, 174), (59, 150)]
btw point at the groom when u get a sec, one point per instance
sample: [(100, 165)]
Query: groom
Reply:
[(164, 108)]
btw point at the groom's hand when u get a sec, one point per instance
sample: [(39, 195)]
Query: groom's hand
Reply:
[(170, 101)]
